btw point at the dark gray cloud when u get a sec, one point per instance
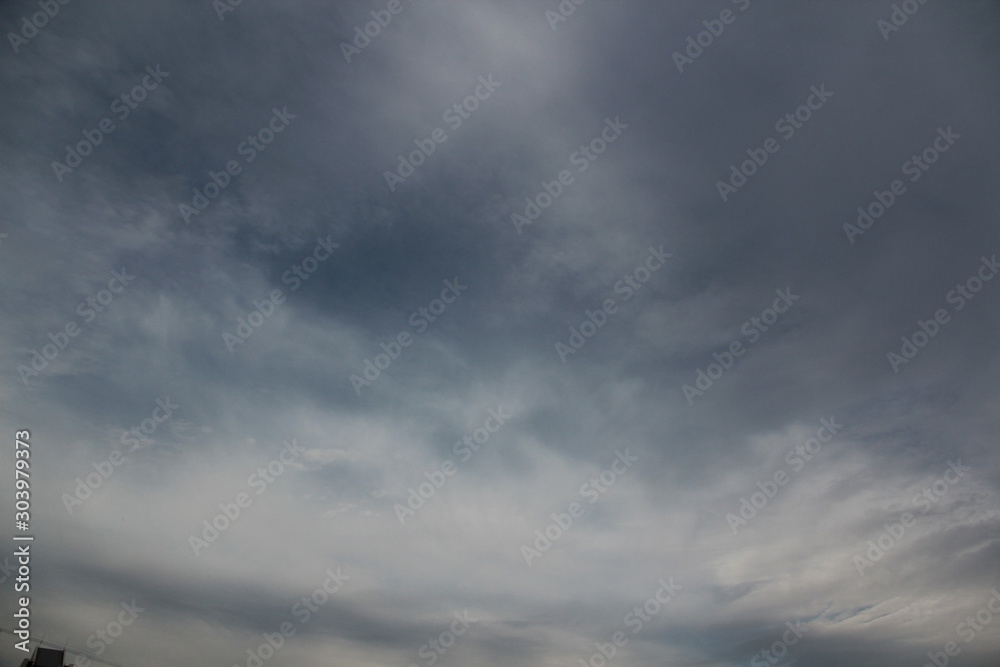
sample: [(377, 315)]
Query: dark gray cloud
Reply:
[(558, 322)]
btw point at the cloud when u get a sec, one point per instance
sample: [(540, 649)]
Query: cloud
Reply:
[(702, 503)]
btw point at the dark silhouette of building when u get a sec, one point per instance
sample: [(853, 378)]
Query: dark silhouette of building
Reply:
[(46, 657)]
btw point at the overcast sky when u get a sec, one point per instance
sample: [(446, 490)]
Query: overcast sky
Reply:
[(552, 322)]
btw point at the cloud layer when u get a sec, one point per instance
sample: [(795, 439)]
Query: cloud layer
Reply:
[(470, 330)]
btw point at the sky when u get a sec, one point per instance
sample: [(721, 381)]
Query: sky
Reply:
[(529, 333)]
